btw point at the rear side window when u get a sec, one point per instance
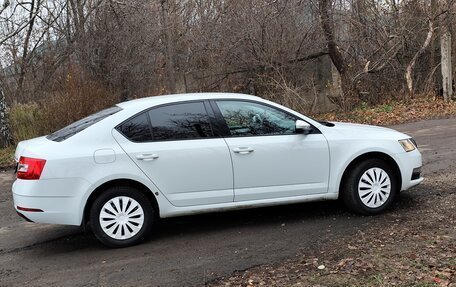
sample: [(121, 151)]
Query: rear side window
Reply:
[(137, 129), (82, 124), (180, 121)]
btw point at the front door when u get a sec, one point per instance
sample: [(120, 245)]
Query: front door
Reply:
[(271, 160)]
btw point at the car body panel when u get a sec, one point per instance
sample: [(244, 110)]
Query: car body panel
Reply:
[(280, 166), (189, 172)]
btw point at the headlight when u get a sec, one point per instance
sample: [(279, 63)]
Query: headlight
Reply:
[(407, 144)]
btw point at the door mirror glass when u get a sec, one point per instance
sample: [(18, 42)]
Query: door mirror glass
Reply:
[(303, 127)]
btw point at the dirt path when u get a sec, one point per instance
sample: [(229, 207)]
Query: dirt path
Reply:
[(437, 142), (195, 250), (413, 245)]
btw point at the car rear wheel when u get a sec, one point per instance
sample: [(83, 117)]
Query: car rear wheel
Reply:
[(370, 187), (121, 217)]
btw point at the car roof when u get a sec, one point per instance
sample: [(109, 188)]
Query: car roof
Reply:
[(164, 99)]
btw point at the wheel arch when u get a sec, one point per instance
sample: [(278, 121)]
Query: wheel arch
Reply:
[(369, 155), (119, 182)]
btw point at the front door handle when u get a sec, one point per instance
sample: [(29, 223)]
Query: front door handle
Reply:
[(147, 157), (243, 150)]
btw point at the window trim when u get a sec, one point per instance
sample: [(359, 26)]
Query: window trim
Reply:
[(210, 113), (226, 130)]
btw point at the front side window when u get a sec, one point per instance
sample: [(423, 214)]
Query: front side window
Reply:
[(252, 119), (180, 121)]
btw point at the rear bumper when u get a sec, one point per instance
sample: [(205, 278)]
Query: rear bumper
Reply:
[(56, 201), (24, 217)]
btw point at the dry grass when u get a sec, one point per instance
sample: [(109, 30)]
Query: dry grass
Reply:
[(6, 158), (26, 121)]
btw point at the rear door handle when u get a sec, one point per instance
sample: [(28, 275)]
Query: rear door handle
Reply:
[(243, 150), (147, 157)]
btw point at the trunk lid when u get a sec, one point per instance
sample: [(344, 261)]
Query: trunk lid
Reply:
[(30, 148)]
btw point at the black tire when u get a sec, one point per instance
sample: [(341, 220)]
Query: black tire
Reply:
[(351, 196), (113, 193)]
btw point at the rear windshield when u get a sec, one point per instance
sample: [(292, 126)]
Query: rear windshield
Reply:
[(80, 125)]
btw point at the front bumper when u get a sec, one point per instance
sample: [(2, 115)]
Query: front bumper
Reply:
[(410, 165)]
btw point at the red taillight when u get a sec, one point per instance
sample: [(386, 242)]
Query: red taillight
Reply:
[(30, 168)]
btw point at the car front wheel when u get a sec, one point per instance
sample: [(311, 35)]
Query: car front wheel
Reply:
[(370, 187), (121, 217)]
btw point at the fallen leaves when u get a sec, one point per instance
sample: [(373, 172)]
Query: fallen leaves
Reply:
[(407, 248), (395, 112)]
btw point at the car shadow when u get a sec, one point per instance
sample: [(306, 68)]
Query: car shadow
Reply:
[(258, 217), (228, 221), (263, 217)]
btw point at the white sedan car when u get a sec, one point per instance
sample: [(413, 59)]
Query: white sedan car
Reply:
[(125, 167)]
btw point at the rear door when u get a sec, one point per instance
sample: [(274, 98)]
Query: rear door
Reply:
[(176, 146)]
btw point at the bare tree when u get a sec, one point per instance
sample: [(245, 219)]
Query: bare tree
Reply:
[(5, 131), (33, 10), (411, 65), (167, 29), (337, 58), (445, 51)]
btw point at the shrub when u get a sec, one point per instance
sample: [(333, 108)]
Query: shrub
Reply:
[(75, 100), (79, 99), (26, 121)]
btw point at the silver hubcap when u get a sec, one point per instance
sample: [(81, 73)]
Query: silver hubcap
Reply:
[(374, 187), (121, 217)]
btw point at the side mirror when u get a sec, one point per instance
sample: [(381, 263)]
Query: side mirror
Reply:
[(303, 128)]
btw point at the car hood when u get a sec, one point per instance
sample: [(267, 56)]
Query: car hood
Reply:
[(367, 131)]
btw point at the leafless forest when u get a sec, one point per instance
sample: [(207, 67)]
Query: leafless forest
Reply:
[(63, 59)]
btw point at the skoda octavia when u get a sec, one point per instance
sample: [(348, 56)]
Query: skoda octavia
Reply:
[(123, 168)]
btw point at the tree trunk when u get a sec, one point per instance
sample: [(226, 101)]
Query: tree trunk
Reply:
[(445, 51), (447, 81), (25, 55), (348, 95), (432, 82), (168, 50), (411, 65), (328, 29), (5, 132)]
